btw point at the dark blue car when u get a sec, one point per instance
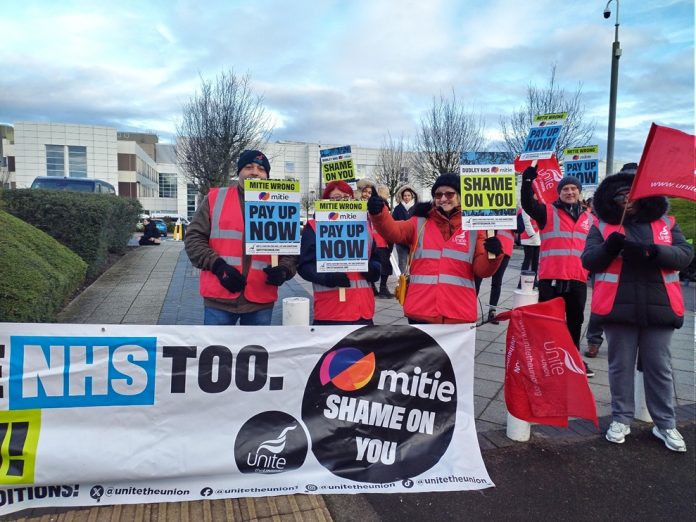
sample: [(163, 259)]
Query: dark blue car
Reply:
[(161, 226)]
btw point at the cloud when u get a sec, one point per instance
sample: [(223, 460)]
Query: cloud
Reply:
[(342, 72)]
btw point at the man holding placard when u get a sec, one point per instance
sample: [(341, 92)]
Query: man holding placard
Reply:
[(564, 225), (236, 287)]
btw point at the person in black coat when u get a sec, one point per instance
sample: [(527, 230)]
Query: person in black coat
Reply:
[(407, 199), (151, 234), (637, 298)]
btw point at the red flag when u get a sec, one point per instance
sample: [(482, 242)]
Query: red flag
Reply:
[(667, 165), (545, 379), (548, 176)]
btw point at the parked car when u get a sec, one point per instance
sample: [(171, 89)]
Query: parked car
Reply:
[(73, 184), (161, 226)]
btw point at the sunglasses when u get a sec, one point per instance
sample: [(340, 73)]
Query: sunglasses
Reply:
[(449, 195), (621, 197), (340, 198)]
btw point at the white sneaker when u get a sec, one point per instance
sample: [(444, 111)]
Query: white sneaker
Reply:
[(671, 437), (617, 432)]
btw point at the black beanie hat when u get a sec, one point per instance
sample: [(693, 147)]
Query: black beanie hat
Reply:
[(447, 180), (569, 180), (253, 156)]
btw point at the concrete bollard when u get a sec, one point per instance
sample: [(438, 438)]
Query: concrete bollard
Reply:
[(295, 311), (517, 429), (641, 408)]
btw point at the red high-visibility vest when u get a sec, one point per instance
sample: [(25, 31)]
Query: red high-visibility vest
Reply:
[(606, 283), (562, 243), (441, 285), (227, 239), (507, 239), (535, 226), (360, 300)]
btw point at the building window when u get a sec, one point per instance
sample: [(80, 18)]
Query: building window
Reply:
[(77, 161), (190, 200), (167, 185), (55, 160), (289, 166)]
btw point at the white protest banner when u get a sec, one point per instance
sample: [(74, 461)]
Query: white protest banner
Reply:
[(583, 163), (123, 414), (489, 197), (337, 165), (342, 238), (543, 135), (272, 216)]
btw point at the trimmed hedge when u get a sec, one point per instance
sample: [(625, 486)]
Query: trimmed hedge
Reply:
[(91, 225), (684, 211), (38, 275)]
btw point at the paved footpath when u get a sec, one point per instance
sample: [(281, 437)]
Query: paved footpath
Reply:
[(158, 285)]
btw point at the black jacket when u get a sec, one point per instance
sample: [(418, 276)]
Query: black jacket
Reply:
[(641, 298), (307, 265)]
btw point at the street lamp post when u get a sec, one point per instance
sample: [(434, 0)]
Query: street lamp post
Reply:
[(615, 55)]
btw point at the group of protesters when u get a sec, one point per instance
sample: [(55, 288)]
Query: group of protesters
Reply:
[(633, 248)]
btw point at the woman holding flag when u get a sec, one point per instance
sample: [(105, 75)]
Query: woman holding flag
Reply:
[(636, 251), (359, 304)]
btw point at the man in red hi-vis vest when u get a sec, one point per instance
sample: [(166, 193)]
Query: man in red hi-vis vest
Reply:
[(564, 225), (235, 287)]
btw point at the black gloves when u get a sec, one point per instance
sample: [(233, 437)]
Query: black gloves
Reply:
[(375, 205), (614, 243), (529, 174), (337, 279), (229, 277), (374, 270), (493, 245), (276, 275), (637, 252)]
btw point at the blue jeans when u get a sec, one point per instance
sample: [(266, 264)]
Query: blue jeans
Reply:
[(215, 316)]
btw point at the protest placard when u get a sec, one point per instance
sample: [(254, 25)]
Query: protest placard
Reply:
[(543, 135), (337, 165), (272, 216), (105, 414), (489, 197), (342, 238), (583, 163)]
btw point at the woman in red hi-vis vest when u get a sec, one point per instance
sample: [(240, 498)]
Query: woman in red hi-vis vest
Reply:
[(359, 304), (637, 297), (235, 286), (445, 258)]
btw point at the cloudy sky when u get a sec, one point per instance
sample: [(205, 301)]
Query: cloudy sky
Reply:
[(344, 71)]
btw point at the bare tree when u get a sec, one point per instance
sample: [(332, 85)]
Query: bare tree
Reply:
[(393, 167), (218, 124), (307, 203), (447, 130), (576, 132)]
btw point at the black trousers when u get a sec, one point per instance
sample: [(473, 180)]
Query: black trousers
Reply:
[(496, 282), (574, 293)]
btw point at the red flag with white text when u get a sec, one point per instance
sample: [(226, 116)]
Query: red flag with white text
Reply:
[(667, 166), (548, 176), (545, 379)]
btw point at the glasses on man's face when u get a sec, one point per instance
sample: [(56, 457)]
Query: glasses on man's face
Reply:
[(449, 195), (340, 198)]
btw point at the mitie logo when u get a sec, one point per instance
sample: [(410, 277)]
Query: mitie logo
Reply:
[(382, 407), (270, 442)]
